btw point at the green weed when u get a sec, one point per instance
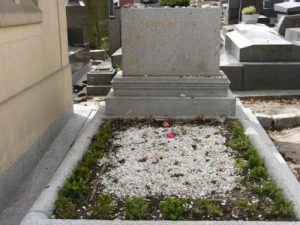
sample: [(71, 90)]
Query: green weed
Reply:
[(173, 208), (104, 207), (136, 208)]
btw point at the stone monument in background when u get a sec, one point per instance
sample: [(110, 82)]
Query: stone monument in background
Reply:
[(170, 65)]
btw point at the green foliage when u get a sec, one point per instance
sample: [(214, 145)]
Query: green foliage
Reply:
[(64, 208), (104, 207), (240, 164), (271, 190), (75, 187), (105, 44), (281, 207), (173, 3), (206, 207), (255, 161), (118, 68), (244, 204), (249, 10), (136, 208), (259, 172), (173, 208), (238, 130)]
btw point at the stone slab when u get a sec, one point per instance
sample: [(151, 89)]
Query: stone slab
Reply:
[(171, 41), (270, 3), (98, 54), (288, 21), (177, 107), (116, 58), (287, 7), (98, 90), (260, 75), (259, 43), (166, 86), (292, 34), (100, 77)]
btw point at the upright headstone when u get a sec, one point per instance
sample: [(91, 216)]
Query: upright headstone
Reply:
[(77, 38), (76, 21), (232, 12), (170, 65), (115, 31), (293, 34)]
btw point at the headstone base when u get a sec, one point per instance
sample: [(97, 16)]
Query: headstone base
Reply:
[(175, 97)]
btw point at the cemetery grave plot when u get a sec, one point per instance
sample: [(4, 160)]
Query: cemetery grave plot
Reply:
[(173, 170), (286, 140)]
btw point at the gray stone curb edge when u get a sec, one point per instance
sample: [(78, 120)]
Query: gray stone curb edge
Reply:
[(42, 209), (279, 121)]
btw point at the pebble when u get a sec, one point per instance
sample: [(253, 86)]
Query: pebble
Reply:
[(193, 177)]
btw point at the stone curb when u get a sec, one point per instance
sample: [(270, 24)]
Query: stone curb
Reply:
[(279, 121), (42, 209)]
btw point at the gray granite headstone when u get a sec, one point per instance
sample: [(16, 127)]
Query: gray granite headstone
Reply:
[(171, 41)]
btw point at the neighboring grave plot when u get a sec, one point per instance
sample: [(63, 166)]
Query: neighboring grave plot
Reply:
[(257, 58)]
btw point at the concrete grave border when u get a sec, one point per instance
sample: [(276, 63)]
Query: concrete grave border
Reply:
[(278, 121), (42, 209)]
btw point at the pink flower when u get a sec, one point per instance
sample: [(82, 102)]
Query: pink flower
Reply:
[(170, 134), (165, 124)]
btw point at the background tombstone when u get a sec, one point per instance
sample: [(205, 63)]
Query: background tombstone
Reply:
[(78, 39)]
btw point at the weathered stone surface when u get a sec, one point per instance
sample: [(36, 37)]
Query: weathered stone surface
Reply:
[(170, 41), (98, 54), (100, 77), (116, 58), (285, 22), (287, 7), (260, 75), (99, 90), (259, 43), (166, 86), (183, 107), (270, 3), (293, 34), (264, 120)]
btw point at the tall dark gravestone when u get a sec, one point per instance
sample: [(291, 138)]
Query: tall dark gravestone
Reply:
[(78, 38)]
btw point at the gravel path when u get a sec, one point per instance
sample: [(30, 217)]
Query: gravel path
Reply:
[(193, 164)]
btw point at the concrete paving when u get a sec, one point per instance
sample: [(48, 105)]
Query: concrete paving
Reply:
[(38, 179)]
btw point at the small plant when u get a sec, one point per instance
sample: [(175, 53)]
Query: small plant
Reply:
[(250, 10), (173, 3), (136, 208), (173, 208), (207, 208), (281, 207), (240, 164), (259, 172), (118, 68), (104, 207), (271, 190), (105, 44), (75, 187), (245, 205), (64, 208)]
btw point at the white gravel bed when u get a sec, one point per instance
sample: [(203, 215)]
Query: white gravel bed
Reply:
[(195, 163)]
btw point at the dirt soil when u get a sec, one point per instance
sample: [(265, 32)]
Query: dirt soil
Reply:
[(288, 143), (273, 106)]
